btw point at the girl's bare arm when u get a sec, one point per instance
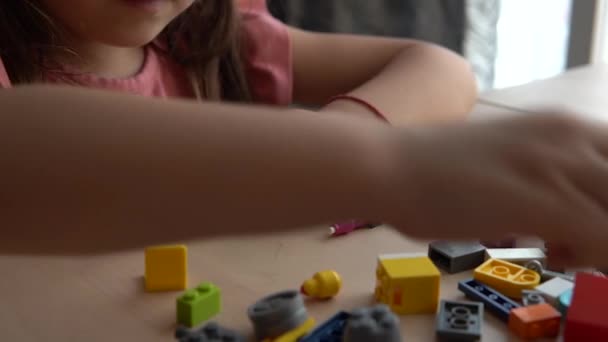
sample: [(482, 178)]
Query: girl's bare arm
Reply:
[(408, 80), (91, 171)]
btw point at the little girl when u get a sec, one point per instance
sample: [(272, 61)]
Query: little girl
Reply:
[(132, 122)]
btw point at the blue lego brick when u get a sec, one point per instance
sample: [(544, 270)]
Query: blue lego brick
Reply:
[(331, 330), (493, 300), (459, 321)]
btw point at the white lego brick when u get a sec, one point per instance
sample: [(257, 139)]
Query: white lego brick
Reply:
[(554, 288), (518, 256), (530, 242)]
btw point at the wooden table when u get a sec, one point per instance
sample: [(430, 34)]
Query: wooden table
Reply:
[(102, 299)]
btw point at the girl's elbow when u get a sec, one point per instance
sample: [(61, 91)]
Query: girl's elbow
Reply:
[(459, 76), (451, 66), (470, 88)]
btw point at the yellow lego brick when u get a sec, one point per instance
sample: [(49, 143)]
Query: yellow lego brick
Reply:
[(507, 278), (408, 265), (295, 334), (166, 268), (408, 283)]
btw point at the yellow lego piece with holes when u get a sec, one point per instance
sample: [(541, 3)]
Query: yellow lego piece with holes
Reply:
[(295, 334), (408, 283), (166, 268), (507, 278)]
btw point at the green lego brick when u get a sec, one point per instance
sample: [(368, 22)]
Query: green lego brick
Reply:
[(198, 305)]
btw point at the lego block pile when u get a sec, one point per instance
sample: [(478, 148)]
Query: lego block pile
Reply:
[(513, 284), (279, 317)]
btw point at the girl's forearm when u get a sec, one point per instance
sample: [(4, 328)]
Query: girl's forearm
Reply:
[(89, 171), (422, 83)]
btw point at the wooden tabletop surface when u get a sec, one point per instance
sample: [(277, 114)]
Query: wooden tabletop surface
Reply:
[(102, 298)]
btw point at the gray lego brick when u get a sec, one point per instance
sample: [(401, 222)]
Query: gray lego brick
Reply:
[(454, 257), (532, 297), (546, 275), (459, 321)]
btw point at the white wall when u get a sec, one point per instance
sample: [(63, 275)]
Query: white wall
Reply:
[(532, 40)]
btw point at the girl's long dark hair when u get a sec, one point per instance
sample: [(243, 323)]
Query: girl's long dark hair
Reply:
[(204, 39)]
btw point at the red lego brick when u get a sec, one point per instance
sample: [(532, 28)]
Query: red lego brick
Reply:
[(587, 317)]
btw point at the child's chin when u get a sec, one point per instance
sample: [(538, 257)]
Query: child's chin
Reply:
[(134, 40)]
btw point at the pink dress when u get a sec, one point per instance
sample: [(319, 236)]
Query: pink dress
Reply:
[(267, 61)]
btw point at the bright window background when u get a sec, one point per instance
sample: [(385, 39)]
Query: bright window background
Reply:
[(601, 31), (532, 41)]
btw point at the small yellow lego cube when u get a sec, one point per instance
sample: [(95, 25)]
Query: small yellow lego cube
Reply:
[(166, 268), (408, 283), (507, 278)]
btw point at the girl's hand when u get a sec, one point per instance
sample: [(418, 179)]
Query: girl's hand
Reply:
[(544, 175)]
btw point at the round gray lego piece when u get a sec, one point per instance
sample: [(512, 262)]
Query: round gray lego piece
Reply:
[(274, 315), (375, 324), (536, 266)]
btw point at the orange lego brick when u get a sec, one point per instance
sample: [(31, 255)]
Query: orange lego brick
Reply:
[(535, 321), (507, 278)]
